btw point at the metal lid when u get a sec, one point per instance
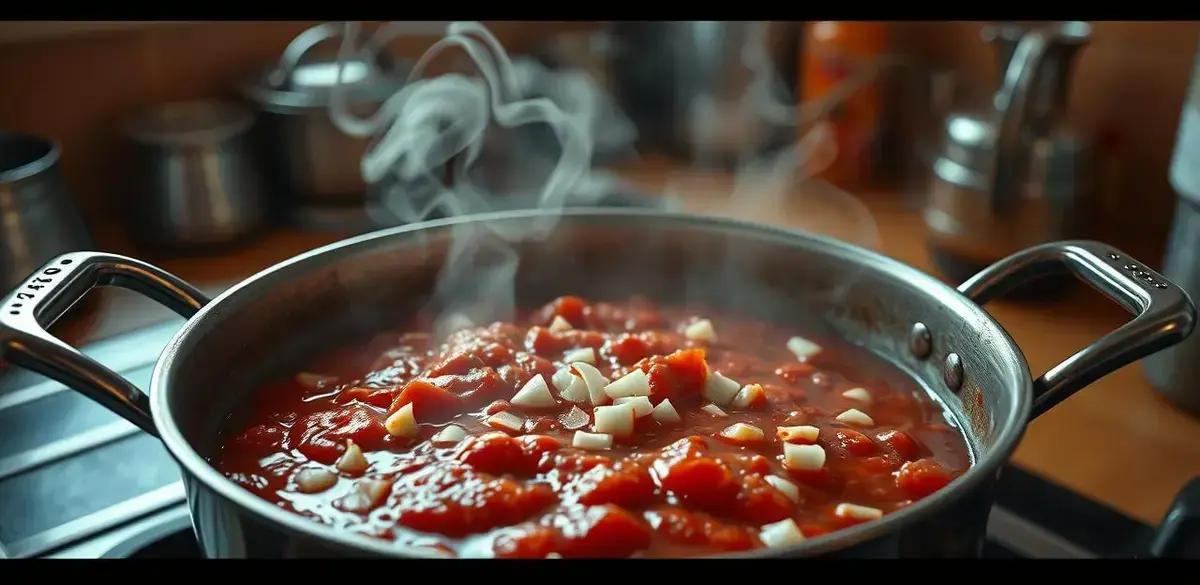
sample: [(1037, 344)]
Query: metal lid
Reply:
[(192, 123)]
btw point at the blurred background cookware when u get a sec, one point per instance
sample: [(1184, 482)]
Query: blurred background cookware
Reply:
[(38, 218), (313, 167), (690, 86), (198, 182), (1176, 372), (1015, 174)]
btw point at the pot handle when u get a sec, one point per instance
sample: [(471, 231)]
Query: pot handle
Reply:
[(1164, 313), (32, 307)]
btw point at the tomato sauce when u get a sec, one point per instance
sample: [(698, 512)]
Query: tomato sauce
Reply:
[(424, 443)]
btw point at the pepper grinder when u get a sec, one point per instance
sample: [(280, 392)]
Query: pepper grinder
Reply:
[(1015, 174)]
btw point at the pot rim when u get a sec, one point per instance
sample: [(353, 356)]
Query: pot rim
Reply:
[(985, 467)]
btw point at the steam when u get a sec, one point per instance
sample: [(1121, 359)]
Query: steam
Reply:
[(435, 128), (428, 137)]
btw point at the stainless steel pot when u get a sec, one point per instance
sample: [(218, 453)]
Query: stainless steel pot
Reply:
[(312, 162), (267, 324)]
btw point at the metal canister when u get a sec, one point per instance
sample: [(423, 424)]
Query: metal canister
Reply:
[(1175, 372)]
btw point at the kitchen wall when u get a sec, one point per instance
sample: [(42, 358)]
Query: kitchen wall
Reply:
[(1128, 87)]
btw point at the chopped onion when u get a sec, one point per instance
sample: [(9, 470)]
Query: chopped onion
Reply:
[(593, 441), (784, 486), (352, 460), (713, 410), (562, 379), (641, 405), (614, 420), (635, 383), (749, 395), (402, 423), (797, 434), (558, 325), (803, 348), (595, 382), (701, 330), (576, 391), (855, 416), (781, 534), (311, 480), (450, 434), (367, 494), (665, 412), (743, 433), (718, 389), (506, 421), (858, 394), (583, 354), (574, 419), (857, 512), (803, 457), (534, 394)]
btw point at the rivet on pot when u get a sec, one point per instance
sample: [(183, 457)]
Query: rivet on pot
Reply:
[(952, 372), (920, 343)]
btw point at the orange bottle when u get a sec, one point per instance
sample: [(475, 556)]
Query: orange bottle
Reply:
[(834, 52)]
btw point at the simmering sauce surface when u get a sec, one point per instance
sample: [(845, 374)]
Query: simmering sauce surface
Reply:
[(428, 444)]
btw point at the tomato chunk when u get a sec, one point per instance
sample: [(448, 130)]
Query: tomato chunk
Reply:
[(496, 453), (628, 485), (904, 445), (604, 531), (321, 436), (921, 477), (430, 403), (679, 376)]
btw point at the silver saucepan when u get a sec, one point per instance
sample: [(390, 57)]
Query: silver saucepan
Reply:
[(265, 326)]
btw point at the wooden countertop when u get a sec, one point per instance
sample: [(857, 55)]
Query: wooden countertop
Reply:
[(1115, 440)]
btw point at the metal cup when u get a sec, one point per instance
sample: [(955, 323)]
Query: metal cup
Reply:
[(38, 218)]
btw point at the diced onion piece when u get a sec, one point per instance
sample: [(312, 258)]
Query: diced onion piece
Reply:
[(583, 354), (558, 325), (641, 405), (506, 421), (450, 434), (614, 420), (858, 394), (713, 410), (784, 486), (798, 434), (749, 395), (311, 480), (574, 419), (857, 512), (803, 457), (743, 433), (402, 423), (562, 379), (855, 416), (352, 460), (665, 412), (635, 383), (595, 382), (576, 391), (802, 348), (534, 394), (718, 389), (593, 441), (314, 381), (781, 534), (701, 330), (367, 494)]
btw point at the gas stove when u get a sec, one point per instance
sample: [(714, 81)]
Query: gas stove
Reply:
[(76, 481)]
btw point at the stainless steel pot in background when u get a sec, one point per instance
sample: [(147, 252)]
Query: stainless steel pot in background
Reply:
[(197, 180), (270, 323), (312, 163), (38, 219)]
